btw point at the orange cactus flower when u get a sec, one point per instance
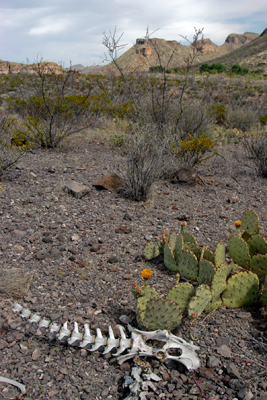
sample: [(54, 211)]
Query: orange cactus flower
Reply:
[(183, 223), (146, 273), (238, 224)]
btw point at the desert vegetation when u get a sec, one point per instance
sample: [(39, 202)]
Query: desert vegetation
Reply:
[(157, 123), (177, 111)]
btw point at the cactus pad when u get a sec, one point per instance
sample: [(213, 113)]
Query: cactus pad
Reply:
[(250, 221), (148, 293), (181, 294), (178, 246), (151, 250), (188, 265), (258, 265), (257, 244), (219, 255), (206, 272), (199, 302), (263, 298), (239, 251), (207, 254), (169, 260), (192, 247), (218, 284), (242, 290), (189, 238), (172, 240), (162, 314), (213, 304)]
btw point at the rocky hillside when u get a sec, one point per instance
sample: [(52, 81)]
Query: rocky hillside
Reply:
[(7, 67), (253, 54), (146, 52)]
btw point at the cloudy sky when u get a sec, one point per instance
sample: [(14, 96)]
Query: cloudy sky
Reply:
[(71, 30)]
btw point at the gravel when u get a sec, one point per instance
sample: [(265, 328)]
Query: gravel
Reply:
[(75, 259)]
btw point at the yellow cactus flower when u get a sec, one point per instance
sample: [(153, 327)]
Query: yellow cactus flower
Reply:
[(238, 224), (146, 273)]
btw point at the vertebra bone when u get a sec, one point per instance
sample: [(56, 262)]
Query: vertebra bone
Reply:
[(135, 346)]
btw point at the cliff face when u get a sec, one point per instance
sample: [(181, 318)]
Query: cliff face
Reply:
[(7, 67), (240, 40)]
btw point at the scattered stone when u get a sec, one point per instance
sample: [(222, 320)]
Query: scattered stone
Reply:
[(224, 351), (187, 174), (123, 229), (233, 199), (109, 182), (76, 189), (213, 362), (233, 371)]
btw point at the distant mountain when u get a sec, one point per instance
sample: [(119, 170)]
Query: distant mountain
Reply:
[(7, 67), (252, 54), (146, 52)]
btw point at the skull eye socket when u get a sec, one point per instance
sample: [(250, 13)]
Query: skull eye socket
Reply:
[(174, 352)]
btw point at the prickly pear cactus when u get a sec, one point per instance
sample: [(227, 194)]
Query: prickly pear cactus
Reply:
[(207, 254), (169, 259), (147, 293), (178, 247), (151, 251), (257, 245), (220, 255), (199, 302), (250, 222), (188, 265), (206, 272), (181, 294), (162, 314), (263, 297), (242, 290), (239, 251), (172, 240), (258, 265), (219, 284)]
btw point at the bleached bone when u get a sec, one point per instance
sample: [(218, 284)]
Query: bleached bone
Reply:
[(136, 345)]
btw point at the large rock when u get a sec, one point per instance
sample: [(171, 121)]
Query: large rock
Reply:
[(109, 182), (76, 189), (187, 174)]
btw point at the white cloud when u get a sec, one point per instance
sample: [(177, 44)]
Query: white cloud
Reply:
[(63, 30)]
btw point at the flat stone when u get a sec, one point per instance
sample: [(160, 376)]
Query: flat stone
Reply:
[(233, 371), (76, 189), (224, 351), (213, 362)]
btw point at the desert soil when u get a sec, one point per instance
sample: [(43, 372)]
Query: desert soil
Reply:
[(82, 256)]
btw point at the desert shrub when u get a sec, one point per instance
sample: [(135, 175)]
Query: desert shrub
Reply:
[(10, 150), (237, 69), (157, 68), (263, 119), (55, 111), (241, 118), (195, 150), (144, 165), (255, 145), (219, 112), (215, 67)]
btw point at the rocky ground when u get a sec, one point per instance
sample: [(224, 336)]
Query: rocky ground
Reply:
[(75, 259)]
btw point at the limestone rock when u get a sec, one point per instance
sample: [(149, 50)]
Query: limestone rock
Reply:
[(76, 189), (109, 182), (187, 174)]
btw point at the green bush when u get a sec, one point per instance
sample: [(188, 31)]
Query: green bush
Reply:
[(216, 67)]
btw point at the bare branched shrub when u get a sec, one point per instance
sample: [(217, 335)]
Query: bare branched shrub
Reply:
[(144, 166), (255, 145), (56, 111), (242, 119), (10, 152)]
